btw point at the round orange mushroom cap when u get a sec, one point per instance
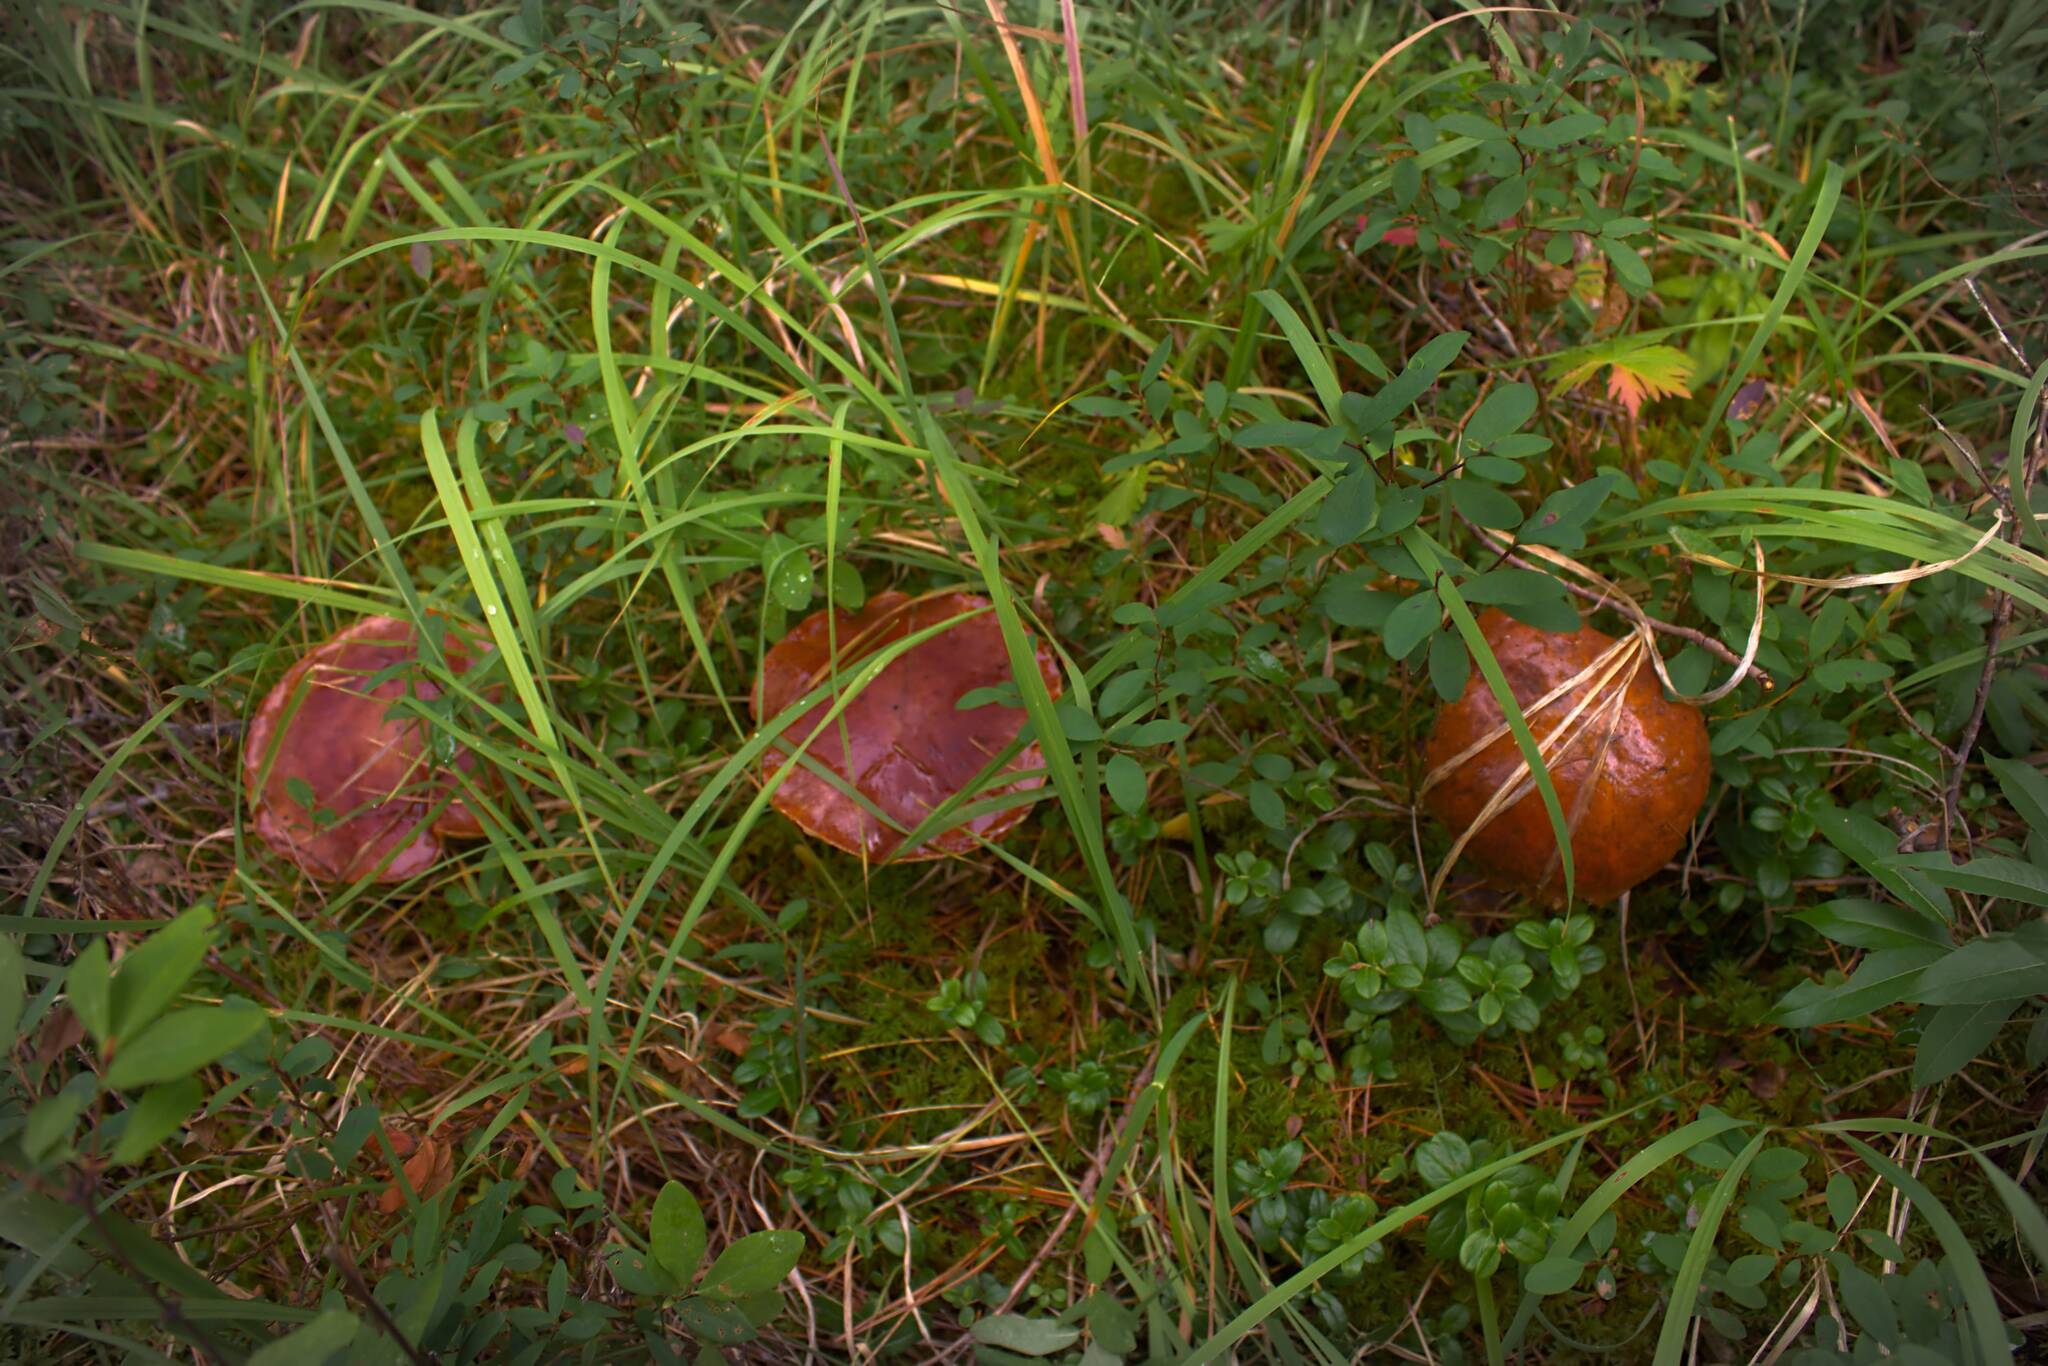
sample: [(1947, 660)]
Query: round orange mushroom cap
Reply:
[(368, 770), (1630, 785), (902, 741)]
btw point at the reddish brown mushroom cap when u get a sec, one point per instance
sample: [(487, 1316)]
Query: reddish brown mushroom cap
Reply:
[(1630, 786), (326, 726), (907, 745)]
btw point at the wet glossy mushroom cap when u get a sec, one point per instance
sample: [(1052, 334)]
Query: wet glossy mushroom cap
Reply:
[(1630, 782), (907, 747), (329, 725)]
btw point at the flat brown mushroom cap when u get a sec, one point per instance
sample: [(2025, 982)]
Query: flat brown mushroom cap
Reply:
[(1650, 778), (366, 767), (907, 746)]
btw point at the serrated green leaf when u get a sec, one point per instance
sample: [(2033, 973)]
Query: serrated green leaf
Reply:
[(1125, 496)]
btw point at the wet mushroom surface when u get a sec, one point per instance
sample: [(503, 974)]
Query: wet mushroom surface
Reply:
[(902, 742), (1630, 779), (336, 778)]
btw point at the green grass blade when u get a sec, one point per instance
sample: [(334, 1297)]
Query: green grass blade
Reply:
[(1685, 1284)]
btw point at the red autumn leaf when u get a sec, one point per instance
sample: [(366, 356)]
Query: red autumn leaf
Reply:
[(1652, 372), (1402, 234), (1636, 372)]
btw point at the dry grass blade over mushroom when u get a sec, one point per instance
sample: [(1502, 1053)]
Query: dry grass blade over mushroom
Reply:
[(1630, 766), (1153, 683)]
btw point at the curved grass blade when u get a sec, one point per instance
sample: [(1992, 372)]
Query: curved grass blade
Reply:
[(1979, 1304), (1789, 285), (1424, 548), (1685, 1285)]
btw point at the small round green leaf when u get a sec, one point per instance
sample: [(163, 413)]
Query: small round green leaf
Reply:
[(1411, 623), (1504, 201), (1125, 780), (716, 1321), (1026, 1336), (753, 1265)]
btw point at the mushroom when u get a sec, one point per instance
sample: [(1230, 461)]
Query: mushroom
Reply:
[(902, 742), (1630, 766), (337, 781)]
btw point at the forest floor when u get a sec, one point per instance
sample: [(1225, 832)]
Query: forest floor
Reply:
[(1245, 362)]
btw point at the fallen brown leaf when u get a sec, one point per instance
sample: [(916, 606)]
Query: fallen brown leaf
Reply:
[(61, 1032), (153, 868), (427, 1171)]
